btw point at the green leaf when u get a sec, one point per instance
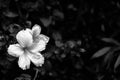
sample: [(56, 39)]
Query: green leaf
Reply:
[(111, 40), (23, 77), (107, 39), (117, 63), (108, 58), (101, 52), (10, 14)]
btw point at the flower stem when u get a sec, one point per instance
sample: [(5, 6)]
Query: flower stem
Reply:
[(36, 73)]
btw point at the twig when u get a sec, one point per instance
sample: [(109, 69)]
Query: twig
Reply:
[(36, 74)]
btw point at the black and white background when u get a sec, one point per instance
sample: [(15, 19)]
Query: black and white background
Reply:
[(84, 38)]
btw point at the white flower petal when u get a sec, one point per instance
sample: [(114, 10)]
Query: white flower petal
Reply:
[(36, 30), (38, 46), (29, 30), (24, 38), (15, 50), (24, 62), (36, 58), (44, 37)]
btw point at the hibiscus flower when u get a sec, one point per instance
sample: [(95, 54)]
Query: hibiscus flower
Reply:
[(30, 44)]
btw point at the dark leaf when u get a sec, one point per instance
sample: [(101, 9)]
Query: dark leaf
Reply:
[(71, 44), (48, 65), (110, 40), (101, 52), (57, 36), (2, 43), (59, 44), (5, 63), (23, 77), (10, 58), (58, 14), (107, 39), (117, 63), (48, 54), (46, 22), (109, 57), (10, 14)]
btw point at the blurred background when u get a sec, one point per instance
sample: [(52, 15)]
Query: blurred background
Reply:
[(84, 38)]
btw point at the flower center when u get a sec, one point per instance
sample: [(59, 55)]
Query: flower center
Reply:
[(25, 49)]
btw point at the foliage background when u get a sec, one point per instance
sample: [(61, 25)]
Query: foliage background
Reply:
[(84, 38)]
